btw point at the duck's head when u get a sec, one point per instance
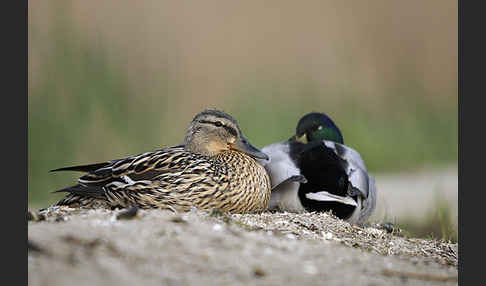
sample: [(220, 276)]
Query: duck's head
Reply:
[(317, 126), (212, 132)]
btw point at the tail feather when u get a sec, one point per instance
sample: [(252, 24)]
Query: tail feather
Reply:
[(83, 168), (83, 190)]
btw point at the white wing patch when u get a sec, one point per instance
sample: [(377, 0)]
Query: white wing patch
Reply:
[(324, 196)]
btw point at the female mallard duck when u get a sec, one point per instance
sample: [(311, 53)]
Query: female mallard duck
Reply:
[(215, 168), (314, 171)]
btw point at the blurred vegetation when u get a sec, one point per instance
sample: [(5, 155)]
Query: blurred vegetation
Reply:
[(83, 108), (438, 223), (408, 131)]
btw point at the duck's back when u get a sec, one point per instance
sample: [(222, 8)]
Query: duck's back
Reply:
[(176, 179)]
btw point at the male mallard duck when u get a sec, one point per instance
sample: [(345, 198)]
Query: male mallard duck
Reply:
[(315, 171), (215, 168)]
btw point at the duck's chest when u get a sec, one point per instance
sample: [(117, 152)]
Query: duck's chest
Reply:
[(323, 169), (246, 179)]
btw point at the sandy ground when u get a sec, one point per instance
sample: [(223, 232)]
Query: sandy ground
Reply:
[(94, 247), (100, 247)]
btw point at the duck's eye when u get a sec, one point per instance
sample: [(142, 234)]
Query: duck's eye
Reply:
[(218, 123), (320, 127)]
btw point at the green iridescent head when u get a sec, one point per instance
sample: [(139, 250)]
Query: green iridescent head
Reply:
[(317, 126)]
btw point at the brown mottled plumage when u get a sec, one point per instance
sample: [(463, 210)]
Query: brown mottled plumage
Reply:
[(215, 168)]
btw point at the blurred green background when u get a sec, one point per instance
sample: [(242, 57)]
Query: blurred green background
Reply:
[(116, 78)]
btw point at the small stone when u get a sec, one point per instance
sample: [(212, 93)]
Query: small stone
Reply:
[(328, 236), (31, 216), (290, 235), (388, 226), (60, 218), (374, 231), (178, 219), (31, 246), (128, 214), (258, 271)]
